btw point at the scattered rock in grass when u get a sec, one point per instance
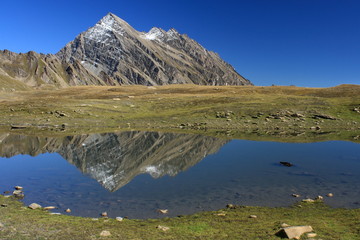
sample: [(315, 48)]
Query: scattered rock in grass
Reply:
[(4, 205), (68, 210), (319, 198), (311, 235), (104, 214), (1, 225), (34, 206), (220, 214), (295, 232), (329, 195), (295, 195), (284, 225), (18, 188), (286, 164), (95, 219), (105, 234), (252, 216), (119, 219), (163, 211), (163, 228), (7, 196), (55, 213), (49, 208), (308, 200)]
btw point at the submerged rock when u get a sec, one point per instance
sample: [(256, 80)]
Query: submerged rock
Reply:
[(329, 195), (286, 164)]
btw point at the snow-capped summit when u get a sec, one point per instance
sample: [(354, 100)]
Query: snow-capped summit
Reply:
[(113, 53)]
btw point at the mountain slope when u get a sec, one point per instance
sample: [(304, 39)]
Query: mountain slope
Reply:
[(112, 49), (113, 53)]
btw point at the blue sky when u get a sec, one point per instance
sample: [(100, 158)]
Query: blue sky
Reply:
[(312, 43)]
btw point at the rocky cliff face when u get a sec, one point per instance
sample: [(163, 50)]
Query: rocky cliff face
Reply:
[(115, 159), (113, 53)]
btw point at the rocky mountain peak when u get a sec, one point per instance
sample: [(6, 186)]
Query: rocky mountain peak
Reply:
[(113, 53)]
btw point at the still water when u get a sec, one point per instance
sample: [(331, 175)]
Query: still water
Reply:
[(135, 173)]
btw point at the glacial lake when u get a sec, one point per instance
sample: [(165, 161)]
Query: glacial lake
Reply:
[(133, 174)]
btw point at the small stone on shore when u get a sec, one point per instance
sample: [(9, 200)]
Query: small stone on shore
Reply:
[(252, 216), (49, 208), (105, 234), (295, 195), (34, 206), (163, 211), (18, 188), (329, 195), (119, 219), (308, 200), (104, 214), (319, 198), (68, 210)]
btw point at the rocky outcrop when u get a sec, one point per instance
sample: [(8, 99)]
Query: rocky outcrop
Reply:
[(114, 159), (114, 53)]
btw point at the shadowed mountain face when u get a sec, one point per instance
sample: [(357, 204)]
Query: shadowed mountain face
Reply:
[(113, 53), (114, 159)]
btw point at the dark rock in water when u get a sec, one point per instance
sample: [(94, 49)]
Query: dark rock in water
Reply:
[(286, 164)]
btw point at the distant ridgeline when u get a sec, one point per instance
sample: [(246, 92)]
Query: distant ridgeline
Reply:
[(113, 53)]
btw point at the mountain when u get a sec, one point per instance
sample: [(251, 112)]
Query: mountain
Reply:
[(114, 159), (114, 53)]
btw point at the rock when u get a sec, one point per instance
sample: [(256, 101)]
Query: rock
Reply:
[(18, 188), (68, 210), (295, 232), (295, 195), (252, 216), (7, 192), (323, 116), (230, 206), (163, 211), (18, 194), (329, 195), (49, 208), (1, 225), (284, 225), (163, 228), (220, 214), (34, 206), (287, 164), (4, 205), (55, 213), (105, 234), (319, 198), (104, 214), (308, 200), (119, 219), (311, 235)]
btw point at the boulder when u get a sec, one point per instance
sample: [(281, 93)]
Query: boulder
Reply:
[(105, 234), (34, 206), (295, 232)]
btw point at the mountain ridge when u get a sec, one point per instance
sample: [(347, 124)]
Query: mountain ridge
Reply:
[(114, 53)]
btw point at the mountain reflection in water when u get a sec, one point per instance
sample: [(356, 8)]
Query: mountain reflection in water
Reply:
[(114, 159), (136, 172)]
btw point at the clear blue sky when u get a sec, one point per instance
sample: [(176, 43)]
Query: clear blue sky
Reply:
[(313, 43)]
